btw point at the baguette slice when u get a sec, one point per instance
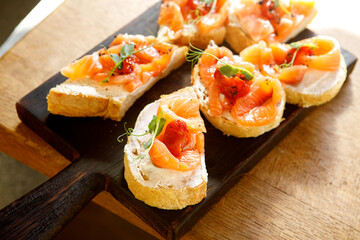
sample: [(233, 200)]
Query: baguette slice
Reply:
[(226, 122), (177, 27), (238, 33), (161, 187), (318, 72), (85, 97)]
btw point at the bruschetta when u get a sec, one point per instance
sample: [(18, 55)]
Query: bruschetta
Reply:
[(251, 21), (165, 168), (195, 21), (107, 82), (233, 96), (311, 71)]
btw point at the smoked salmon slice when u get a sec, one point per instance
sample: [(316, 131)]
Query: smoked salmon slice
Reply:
[(135, 70), (272, 21), (259, 106), (180, 145), (251, 102), (203, 14), (185, 109), (290, 62)]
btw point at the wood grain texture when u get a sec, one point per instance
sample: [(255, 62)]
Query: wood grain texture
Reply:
[(72, 138), (273, 215), (308, 179), (44, 213)]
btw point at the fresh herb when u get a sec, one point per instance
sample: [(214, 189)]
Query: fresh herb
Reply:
[(227, 70), (207, 1), (155, 127), (126, 51), (198, 15), (116, 58), (277, 4), (297, 46), (213, 7), (198, 11), (149, 31)]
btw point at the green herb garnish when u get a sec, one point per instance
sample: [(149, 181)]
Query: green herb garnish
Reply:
[(296, 46), (198, 15), (213, 6), (277, 4), (126, 51), (198, 12), (227, 70), (207, 1), (155, 127)]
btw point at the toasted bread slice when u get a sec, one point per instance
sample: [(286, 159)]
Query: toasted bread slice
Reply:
[(161, 187), (85, 97), (239, 37), (226, 121), (180, 28), (315, 75)]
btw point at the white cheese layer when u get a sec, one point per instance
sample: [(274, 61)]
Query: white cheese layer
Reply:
[(145, 171), (316, 82)]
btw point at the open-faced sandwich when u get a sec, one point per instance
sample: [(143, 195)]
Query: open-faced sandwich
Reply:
[(270, 20), (164, 156), (235, 97), (107, 82), (195, 21), (311, 71)]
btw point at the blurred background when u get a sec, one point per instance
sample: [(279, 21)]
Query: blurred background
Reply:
[(11, 13), (16, 179)]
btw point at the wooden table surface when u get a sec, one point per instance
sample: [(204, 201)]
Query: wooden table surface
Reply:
[(307, 187)]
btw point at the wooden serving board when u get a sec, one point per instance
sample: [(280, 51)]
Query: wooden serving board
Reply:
[(91, 144)]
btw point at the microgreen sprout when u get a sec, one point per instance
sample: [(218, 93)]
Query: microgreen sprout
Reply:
[(227, 70), (155, 127), (297, 46), (198, 12), (277, 4), (126, 51)]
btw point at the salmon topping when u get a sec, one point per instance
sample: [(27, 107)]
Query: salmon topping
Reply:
[(181, 141), (146, 59), (250, 102), (178, 148), (272, 21), (289, 62), (206, 15)]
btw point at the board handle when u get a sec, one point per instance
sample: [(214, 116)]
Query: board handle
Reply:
[(43, 212)]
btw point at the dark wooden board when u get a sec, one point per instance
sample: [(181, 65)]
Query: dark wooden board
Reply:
[(93, 141)]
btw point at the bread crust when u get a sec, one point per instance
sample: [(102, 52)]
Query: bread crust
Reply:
[(162, 196), (237, 38), (87, 98), (229, 126), (306, 99)]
